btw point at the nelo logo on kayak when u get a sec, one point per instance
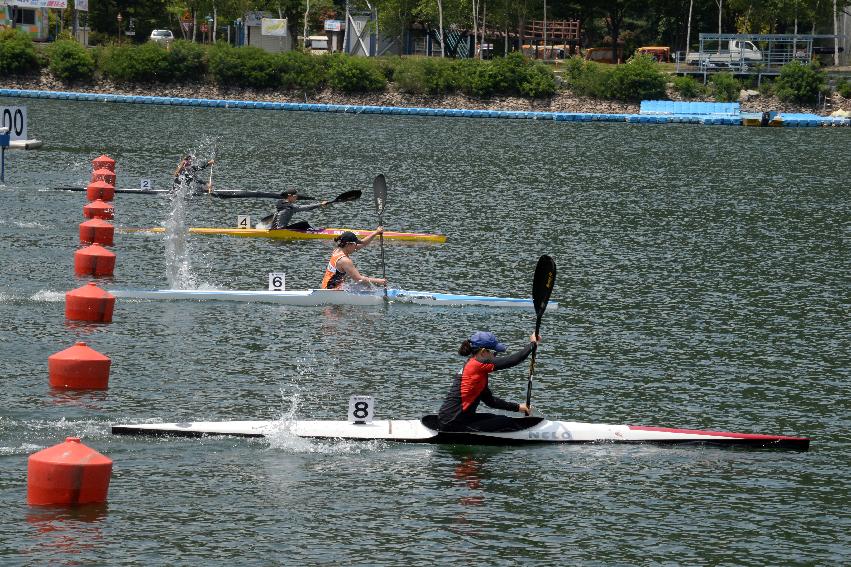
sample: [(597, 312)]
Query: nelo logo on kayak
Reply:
[(549, 435)]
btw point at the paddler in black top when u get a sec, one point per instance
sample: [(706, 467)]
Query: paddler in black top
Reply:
[(185, 173), (470, 386), (286, 207)]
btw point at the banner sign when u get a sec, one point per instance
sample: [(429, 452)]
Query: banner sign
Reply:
[(333, 25), (273, 26), (81, 5), (15, 119), (37, 3)]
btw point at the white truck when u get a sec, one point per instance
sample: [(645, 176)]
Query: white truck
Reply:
[(738, 52)]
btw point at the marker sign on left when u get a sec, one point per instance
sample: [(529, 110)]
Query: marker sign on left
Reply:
[(15, 119)]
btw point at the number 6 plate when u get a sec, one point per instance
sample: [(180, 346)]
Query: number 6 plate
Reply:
[(361, 409)]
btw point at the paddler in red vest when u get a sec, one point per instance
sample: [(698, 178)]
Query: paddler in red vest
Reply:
[(340, 266), (470, 386)]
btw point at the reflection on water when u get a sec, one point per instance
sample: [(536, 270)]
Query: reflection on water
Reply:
[(66, 534), (468, 473)]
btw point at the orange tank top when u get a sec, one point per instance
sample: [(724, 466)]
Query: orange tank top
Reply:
[(334, 278)]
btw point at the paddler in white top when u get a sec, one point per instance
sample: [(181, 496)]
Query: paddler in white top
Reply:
[(340, 266)]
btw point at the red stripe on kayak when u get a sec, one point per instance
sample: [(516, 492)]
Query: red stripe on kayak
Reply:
[(716, 433)]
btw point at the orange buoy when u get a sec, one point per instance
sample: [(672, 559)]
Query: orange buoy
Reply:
[(67, 474), (100, 190), (89, 303), (94, 260), (103, 162), (97, 209), (96, 231), (78, 368), (104, 175)]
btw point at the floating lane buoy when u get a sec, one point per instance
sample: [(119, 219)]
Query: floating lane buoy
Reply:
[(79, 368), (104, 175), (103, 162), (94, 260), (89, 303), (67, 474), (100, 190), (98, 209), (97, 231)]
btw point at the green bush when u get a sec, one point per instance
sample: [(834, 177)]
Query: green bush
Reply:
[(17, 53), (244, 67), (187, 61), (427, 75), (725, 87), (799, 83), (540, 82), (70, 61), (640, 79), (354, 74), (475, 78), (130, 64), (843, 87), (299, 70), (586, 78), (687, 86)]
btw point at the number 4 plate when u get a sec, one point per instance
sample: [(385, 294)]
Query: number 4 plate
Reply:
[(361, 409)]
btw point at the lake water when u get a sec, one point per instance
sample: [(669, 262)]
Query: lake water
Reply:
[(703, 283)]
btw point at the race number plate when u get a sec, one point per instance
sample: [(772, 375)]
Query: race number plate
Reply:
[(277, 281), (361, 409), (146, 184), (243, 221)]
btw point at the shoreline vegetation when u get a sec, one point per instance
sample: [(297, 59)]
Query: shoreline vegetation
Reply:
[(514, 82)]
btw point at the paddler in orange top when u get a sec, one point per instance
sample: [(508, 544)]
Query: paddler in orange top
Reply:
[(340, 266)]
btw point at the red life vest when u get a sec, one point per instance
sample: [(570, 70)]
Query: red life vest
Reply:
[(474, 379)]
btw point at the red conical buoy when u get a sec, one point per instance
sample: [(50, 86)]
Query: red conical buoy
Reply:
[(89, 303), (100, 190), (78, 368), (97, 209), (104, 175), (67, 474), (96, 231), (94, 260), (103, 162)]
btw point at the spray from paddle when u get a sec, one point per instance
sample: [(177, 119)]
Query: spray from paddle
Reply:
[(177, 264)]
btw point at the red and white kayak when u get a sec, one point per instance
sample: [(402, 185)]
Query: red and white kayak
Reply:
[(524, 430)]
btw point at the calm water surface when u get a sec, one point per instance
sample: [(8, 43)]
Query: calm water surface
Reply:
[(703, 282)]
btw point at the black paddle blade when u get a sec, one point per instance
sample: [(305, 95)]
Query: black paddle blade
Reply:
[(542, 284), (379, 190), (348, 196)]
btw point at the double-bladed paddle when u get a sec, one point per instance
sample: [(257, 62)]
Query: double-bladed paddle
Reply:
[(379, 191), (542, 287), (352, 195)]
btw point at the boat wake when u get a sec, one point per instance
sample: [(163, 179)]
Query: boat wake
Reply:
[(282, 436)]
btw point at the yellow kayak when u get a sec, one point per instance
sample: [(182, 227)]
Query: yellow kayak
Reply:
[(287, 234)]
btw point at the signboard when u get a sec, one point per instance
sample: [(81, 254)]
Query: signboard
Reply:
[(37, 3), (333, 25), (81, 5), (15, 119), (361, 409), (185, 25), (273, 26), (277, 281)]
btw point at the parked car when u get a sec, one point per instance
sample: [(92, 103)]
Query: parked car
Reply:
[(162, 36)]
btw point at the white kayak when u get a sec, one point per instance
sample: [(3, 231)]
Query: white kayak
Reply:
[(524, 430), (320, 297)]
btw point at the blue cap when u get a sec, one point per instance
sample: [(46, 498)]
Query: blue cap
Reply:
[(485, 339)]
